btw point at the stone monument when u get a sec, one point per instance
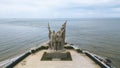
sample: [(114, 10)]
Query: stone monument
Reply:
[(56, 44), (57, 40)]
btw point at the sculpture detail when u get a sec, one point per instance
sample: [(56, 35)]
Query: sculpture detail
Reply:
[(57, 40)]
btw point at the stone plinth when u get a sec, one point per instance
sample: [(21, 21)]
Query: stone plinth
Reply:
[(56, 55), (60, 56)]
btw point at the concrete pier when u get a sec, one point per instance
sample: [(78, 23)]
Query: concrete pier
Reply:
[(79, 60)]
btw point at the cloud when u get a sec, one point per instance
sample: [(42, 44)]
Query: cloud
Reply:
[(59, 8)]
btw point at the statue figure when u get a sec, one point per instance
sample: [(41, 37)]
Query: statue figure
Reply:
[(64, 30), (52, 40), (49, 36), (59, 40)]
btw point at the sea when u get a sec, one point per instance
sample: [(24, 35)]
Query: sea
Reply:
[(100, 36)]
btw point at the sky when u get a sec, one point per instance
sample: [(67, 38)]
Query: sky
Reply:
[(59, 8)]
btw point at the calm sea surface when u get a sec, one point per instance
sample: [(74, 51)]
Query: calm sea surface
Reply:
[(100, 36)]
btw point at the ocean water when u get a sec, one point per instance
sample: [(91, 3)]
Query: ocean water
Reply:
[(100, 36)]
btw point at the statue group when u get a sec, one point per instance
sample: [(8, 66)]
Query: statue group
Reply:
[(57, 39)]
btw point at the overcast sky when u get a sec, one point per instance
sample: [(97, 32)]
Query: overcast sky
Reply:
[(59, 8)]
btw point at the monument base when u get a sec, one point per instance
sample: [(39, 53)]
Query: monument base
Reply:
[(56, 56)]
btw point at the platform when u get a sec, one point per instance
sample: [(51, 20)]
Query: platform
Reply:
[(79, 60)]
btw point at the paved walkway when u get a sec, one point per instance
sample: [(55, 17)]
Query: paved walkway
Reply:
[(78, 61)]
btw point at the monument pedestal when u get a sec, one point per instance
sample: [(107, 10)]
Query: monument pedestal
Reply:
[(56, 56)]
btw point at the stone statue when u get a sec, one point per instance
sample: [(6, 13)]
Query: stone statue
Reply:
[(56, 44), (57, 40), (50, 46), (63, 28), (52, 40)]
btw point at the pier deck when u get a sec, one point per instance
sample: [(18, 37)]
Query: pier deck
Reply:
[(78, 61)]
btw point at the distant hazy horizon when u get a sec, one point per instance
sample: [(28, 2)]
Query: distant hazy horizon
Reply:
[(68, 18)]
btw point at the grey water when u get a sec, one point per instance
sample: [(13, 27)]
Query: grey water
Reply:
[(99, 36)]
